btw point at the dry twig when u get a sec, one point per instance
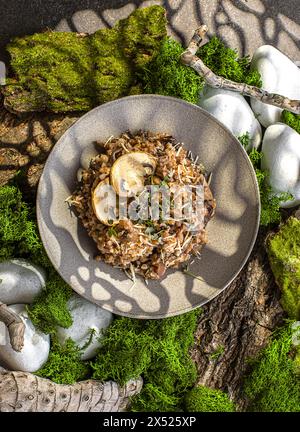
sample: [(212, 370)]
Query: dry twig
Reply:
[(189, 58), (15, 326)]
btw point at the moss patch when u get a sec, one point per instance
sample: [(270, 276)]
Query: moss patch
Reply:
[(18, 230), (225, 62), (64, 365), (19, 238), (166, 75), (204, 399), (50, 309), (273, 384), (62, 71), (155, 349), (292, 120), (284, 255)]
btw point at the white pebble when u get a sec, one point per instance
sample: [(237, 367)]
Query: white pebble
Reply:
[(232, 109), (279, 75), (86, 316), (281, 149)]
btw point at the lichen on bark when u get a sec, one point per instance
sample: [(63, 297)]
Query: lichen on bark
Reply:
[(61, 71), (284, 255)]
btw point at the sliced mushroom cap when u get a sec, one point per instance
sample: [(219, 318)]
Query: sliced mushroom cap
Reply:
[(104, 203), (128, 172)]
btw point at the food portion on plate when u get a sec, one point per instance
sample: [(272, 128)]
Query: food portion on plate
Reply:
[(128, 169)]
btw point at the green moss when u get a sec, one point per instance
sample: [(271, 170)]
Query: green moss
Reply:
[(166, 75), (155, 349), (244, 139), (64, 365), (61, 71), (141, 34), (225, 62), (270, 203), (273, 385), (284, 256), (18, 230), (204, 399), (19, 238), (297, 362), (292, 120), (50, 309)]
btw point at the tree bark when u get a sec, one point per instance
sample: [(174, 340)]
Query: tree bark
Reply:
[(189, 58), (15, 326), (25, 392), (237, 325)]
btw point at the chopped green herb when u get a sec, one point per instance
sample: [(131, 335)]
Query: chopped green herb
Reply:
[(165, 181), (186, 271), (112, 232), (150, 230)]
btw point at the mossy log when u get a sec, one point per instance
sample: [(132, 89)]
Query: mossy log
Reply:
[(25, 392), (67, 71), (237, 325)]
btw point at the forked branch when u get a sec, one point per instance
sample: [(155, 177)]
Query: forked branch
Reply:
[(189, 58)]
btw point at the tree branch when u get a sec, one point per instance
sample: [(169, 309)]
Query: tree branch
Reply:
[(15, 326), (189, 58)]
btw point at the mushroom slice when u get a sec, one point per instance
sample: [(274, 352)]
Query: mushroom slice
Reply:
[(104, 203), (128, 172)]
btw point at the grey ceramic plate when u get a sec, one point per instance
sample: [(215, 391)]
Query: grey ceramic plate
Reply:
[(231, 233)]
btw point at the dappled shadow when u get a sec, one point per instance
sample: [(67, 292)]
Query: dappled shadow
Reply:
[(25, 144), (231, 232), (243, 24)]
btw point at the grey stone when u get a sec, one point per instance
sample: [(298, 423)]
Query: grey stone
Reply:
[(35, 351), (20, 281), (86, 317)]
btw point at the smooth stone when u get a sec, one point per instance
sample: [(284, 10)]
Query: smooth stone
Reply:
[(20, 281), (279, 75), (35, 351), (281, 149), (87, 154), (231, 109), (86, 316)]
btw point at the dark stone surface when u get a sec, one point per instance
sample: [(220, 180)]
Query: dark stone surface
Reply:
[(244, 24)]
